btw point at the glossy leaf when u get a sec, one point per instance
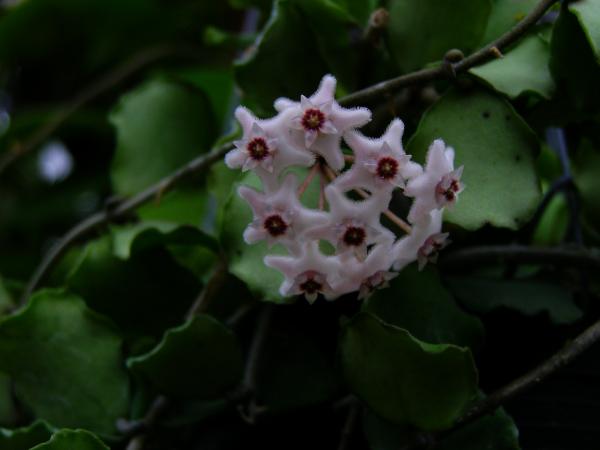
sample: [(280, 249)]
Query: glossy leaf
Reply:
[(146, 294), (25, 438), (72, 440), (504, 16), (498, 151), (134, 238), (419, 303), (8, 413), (524, 69), (403, 379), (160, 126), (311, 38), (530, 297), (422, 31), (495, 432), (200, 358), (66, 345)]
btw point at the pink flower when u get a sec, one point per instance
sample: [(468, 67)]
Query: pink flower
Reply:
[(317, 123), (351, 225), (279, 217), (438, 186), (309, 274), (422, 244), (379, 163), (263, 149)]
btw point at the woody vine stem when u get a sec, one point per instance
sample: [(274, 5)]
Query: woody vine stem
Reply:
[(556, 256)]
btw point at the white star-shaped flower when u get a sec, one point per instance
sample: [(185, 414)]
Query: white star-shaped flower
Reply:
[(379, 163), (264, 148), (311, 273), (438, 186), (279, 217), (318, 122), (352, 226), (423, 243), (368, 275)]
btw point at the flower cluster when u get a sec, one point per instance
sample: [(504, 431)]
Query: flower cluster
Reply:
[(367, 254)]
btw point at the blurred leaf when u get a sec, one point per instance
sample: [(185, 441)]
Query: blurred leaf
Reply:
[(403, 379), (181, 206), (417, 302), (146, 294), (553, 225), (523, 69), (25, 438), (574, 66), (588, 14), (422, 31), (6, 300), (494, 432), (200, 358), (64, 358), (8, 413), (530, 297), (72, 440), (298, 366), (504, 16), (586, 168), (498, 151), (129, 239), (310, 38), (360, 10), (160, 126)]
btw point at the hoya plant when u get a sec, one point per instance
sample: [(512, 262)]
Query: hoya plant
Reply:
[(327, 224)]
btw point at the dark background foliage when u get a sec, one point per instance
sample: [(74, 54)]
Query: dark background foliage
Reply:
[(101, 99)]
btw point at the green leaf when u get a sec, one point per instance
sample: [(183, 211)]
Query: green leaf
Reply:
[(308, 37), (8, 413), (588, 14), (530, 297), (130, 239), (417, 302), (498, 152), (403, 379), (422, 31), (504, 16), (574, 66), (524, 69), (160, 126), (64, 358), (494, 432), (200, 358), (298, 363), (181, 206), (146, 294), (586, 166), (72, 440), (6, 300), (26, 437)]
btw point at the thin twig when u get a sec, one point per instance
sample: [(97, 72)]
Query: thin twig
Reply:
[(311, 174), (252, 409), (349, 425), (331, 175), (386, 88), (89, 93), (102, 218), (208, 293), (578, 257)]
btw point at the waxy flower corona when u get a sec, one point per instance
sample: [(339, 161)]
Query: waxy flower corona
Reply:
[(366, 254)]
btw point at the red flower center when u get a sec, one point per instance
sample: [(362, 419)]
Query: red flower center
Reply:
[(313, 119), (258, 149), (450, 192), (354, 236), (387, 168), (275, 225), (311, 286)]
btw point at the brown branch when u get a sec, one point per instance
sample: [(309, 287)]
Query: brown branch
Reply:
[(103, 84), (532, 378), (450, 70), (102, 218), (349, 425)]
